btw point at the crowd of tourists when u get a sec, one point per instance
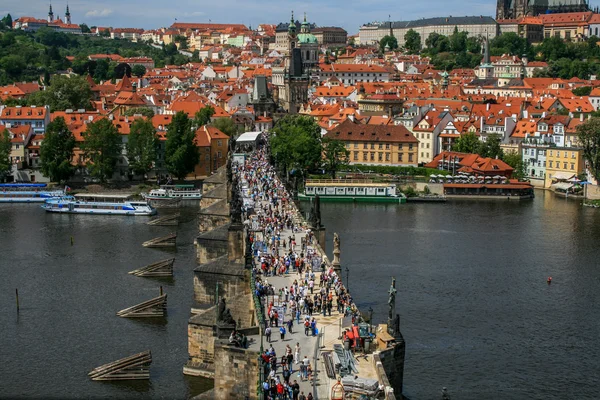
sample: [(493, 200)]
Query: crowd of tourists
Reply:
[(284, 246)]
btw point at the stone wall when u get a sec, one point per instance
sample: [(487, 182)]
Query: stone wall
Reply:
[(434, 188), (382, 377), (211, 245), (208, 222), (592, 192), (237, 371), (392, 361), (201, 342)]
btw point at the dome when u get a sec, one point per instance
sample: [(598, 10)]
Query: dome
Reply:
[(307, 38)]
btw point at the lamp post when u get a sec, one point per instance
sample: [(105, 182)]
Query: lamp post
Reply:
[(370, 310), (348, 279)]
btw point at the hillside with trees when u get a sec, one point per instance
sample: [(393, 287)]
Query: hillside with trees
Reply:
[(29, 56)]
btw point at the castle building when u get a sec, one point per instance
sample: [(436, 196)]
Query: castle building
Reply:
[(513, 9)]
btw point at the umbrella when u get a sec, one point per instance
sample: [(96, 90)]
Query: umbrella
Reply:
[(433, 176)]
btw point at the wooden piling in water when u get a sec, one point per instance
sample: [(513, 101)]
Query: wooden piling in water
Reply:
[(155, 307), (164, 241), (157, 269), (136, 366), (167, 220), (17, 293)]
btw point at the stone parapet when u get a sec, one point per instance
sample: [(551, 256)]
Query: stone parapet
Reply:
[(237, 370)]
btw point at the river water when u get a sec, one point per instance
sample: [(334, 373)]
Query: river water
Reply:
[(476, 312), (69, 296)]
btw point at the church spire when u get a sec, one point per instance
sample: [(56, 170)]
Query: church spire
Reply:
[(68, 15), (50, 14)]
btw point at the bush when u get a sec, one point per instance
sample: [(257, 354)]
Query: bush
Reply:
[(410, 192)]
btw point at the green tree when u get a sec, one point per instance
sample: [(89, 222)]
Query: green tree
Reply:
[(64, 93), (412, 41), (8, 21), (491, 146), (514, 159), (5, 147), (335, 155), (145, 111), (142, 146), (56, 152), (509, 43), (121, 70), (85, 28), (13, 64), (552, 48), (102, 148), (105, 33), (203, 117), (138, 70), (390, 41), (588, 134), (181, 152), (226, 126), (296, 144), (467, 143), (182, 40), (458, 41)]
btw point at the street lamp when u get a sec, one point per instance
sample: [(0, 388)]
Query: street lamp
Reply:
[(348, 279)]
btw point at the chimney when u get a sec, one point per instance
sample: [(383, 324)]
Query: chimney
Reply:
[(487, 107), (581, 117)]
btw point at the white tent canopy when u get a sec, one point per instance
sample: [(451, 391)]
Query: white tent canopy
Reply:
[(248, 137), (563, 176)]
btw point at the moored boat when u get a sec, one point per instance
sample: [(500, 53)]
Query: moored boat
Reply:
[(169, 192), (99, 204), (27, 193), (351, 190)]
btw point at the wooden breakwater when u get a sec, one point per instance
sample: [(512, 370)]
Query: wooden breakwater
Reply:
[(155, 307), (158, 269), (169, 240), (136, 366), (166, 220)]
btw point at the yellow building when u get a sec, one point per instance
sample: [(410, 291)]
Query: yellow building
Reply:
[(388, 145), (562, 162)]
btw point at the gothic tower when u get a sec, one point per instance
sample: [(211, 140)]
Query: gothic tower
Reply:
[(67, 16), (50, 14)]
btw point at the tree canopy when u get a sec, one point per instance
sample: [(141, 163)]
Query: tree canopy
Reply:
[(203, 117), (469, 143), (390, 41), (226, 126), (181, 152), (63, 93), (56, 151), (142, 146), (102, 148), (412, 41), (145, 111), (5, 147), (138, 70), (588, 134), (514, 159), (296, 144), (335, 155)]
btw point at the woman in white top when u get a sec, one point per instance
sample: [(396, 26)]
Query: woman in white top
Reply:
[(296, 353)]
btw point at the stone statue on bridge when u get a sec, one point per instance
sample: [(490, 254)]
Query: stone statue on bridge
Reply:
[(392, 306), (315, 213), (224, 314)]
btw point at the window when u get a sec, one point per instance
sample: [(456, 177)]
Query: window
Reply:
[(219, 143), (572, 154), (387, 146), (427, 145), (219, 154), (366, 146), (572, 166), (356, 156), (550, 164), (372, 146), (400, 156), (410, 146), (422, 154), (550, 152), (387, 156), (410, 158), (400, 146), (564, 165), (380, 146), (380, 156), (365, 156), (356, 145)]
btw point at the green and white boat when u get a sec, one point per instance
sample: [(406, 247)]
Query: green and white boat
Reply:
[(351, 190)]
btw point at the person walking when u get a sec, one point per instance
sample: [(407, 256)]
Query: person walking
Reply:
[(282, 332), (305, 364), (268, 333), (296, 353), (290, 325)]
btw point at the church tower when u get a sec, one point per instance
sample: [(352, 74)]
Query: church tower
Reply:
[(68, 16), (50, 14)]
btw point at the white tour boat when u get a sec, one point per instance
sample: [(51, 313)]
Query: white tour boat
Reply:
[(27, 193), (99, 204), (179, 192)]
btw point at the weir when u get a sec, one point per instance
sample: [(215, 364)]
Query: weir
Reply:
[(228, 326)]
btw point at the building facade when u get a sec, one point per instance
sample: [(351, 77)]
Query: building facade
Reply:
[(521, 8), (477, 26), (331, 36), (391, 145)]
